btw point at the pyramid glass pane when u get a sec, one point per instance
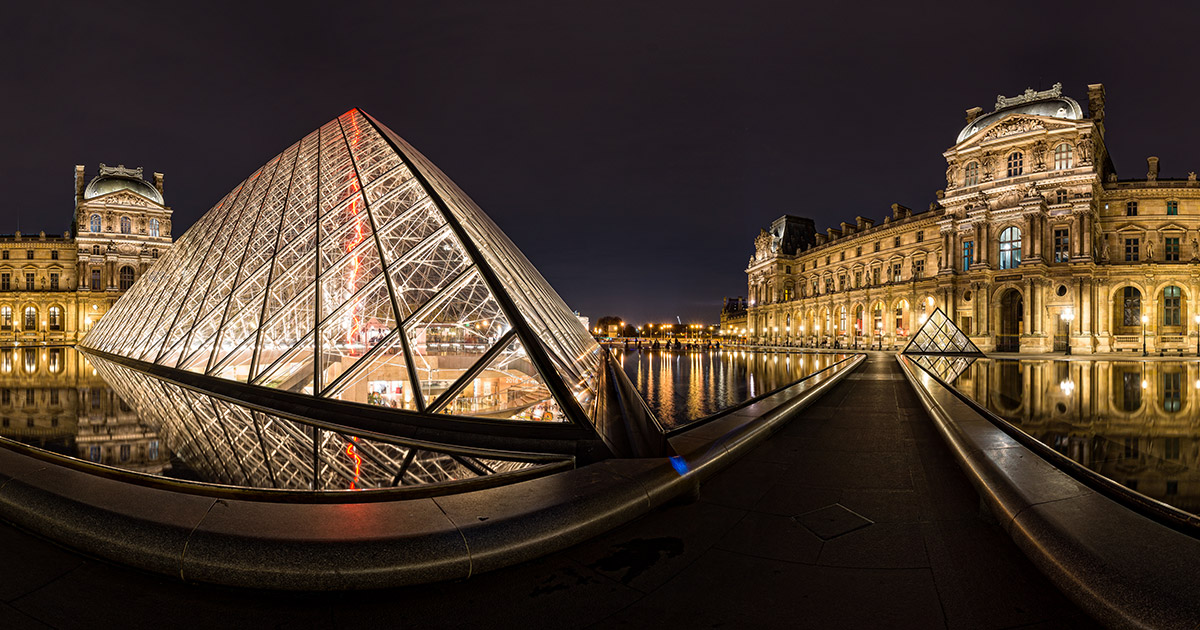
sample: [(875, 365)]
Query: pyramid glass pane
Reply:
[(349, 267)]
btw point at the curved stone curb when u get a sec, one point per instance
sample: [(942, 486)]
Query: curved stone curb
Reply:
[(338, 546), (1124, 569)]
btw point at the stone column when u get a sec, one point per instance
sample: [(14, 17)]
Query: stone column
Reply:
[(81, 267), (1038, 311), (1086, 235), (1026, 238), (1027, 318), (985, 243), (980, 243)]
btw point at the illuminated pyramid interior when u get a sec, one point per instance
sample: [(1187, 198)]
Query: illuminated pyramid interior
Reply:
[(939, 335)]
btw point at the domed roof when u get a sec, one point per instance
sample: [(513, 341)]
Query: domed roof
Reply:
[(112, 179), (1050, 103)]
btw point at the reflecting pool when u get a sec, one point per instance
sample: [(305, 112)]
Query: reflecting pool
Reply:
[(1135, 422), (57, 399), (682, 385)]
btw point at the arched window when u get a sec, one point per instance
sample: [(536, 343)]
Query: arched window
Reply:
[(126, 225), (1131, 311), (6, 318), (153, 227), (843, 316), (972, 174), (1171, 306), (1064, 156), (54, 318), (30, 318), (1010, 248), (95, 250), (1016, 163), (126, 278), (95, 223)]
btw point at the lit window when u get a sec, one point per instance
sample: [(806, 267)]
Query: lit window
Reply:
[(126, 225), (1016, 163), (1010, 248), (95, 223), (972, 174), (6, 318), (30, 318), (918, 268), (1063, 156), (54, 318), (53, 282), (153, 227), (896, 272)]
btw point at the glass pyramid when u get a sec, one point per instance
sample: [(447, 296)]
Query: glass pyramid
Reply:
[(349, 267), (939, 335), (947, 367)]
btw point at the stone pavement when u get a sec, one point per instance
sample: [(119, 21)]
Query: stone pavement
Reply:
[(852, 516)]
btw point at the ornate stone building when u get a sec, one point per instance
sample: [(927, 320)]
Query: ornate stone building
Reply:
[(1035, 243), (54, 288)]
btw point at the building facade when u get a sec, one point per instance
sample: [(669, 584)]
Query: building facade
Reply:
[(54, 288), (1034, 244)]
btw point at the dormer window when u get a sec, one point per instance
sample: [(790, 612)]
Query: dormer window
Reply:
[(1016, 163), (972, 174), (1064, 157)]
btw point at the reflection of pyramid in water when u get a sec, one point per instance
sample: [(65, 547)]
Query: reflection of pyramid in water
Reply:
[(349, 267), (946, 367), (939, 335)]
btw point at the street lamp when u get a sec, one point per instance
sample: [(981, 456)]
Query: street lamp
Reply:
[(879, 327), (1145, 320), (1068, 316)]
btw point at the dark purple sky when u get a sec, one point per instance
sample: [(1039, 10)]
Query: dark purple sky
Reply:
[(632, 150)]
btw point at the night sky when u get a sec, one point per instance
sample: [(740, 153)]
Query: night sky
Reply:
[(632, 150)]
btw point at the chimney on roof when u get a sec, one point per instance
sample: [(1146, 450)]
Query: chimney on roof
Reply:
[(1096, 102), (158, 182), (1152, 172), (900, 212), (847, 228), (973, 113), (78, 183)]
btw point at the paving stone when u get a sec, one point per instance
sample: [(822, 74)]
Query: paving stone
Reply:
[(832, 521), (772, 536)]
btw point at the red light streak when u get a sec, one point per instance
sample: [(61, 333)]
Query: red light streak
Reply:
[(357, 459)]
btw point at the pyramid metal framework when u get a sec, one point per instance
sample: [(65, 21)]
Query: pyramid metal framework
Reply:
[(939, 335), (350, 268), (947, 367)]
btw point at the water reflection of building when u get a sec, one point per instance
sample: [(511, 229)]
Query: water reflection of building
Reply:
[(1135, 422), (54, 288), (1033, 224), (53, 399), (733, 316)]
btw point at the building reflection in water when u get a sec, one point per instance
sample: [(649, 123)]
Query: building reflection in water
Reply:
[(52, 398), (1135, 422), (681, 386)]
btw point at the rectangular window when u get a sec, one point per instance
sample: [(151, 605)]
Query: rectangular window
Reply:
[(1131, 250), (918, 268), (95, 279), (858, 278), (1131, 314), (899, 321), (876, 245), (968, 254), (29, 254), (921, 237), (828, 259), (1172, 207), (1171, 306), (1062, 244), (1131, 208), (875, 274), (54, 254), (896, 242), (5, 282), (858, 251), (54, 396), (1172, 394), (1171, 249), (53, 282), (1060, 196), (1171, 448), (29, 282), (1131, 448), (964, 322), (843, 254), (896, 272), (4, 254)]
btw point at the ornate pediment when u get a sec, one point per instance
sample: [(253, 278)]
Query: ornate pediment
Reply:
[(126, 198), (763, 245), (1012, 126)]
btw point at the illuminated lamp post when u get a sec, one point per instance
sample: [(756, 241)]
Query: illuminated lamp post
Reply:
[(1145, 320), (1068, 316), (879, 327), (816, 333)]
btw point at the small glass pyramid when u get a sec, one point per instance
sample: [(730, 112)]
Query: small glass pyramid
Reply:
[(939, 335)]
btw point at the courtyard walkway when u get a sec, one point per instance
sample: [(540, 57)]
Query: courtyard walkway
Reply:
[(852, 516)]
